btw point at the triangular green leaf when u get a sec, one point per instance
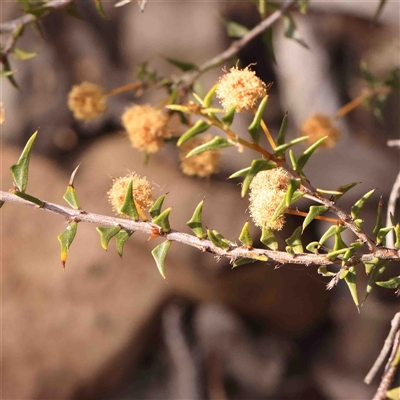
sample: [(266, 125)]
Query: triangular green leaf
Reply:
[(381, 236), (342, 190), (209, 96), (155, 209), (227, 119), (301, 162), (128, 207), (245, 236), (215, 144), (241, 172), (393, 283), (313, 212), (313, 247), (394, 394), (294, 184), (199, 127), (379, 218), (294, 242), (28, 197), (280, 140), (20, 170), (397, 233), (217, 239), (350, 279), (280, 150), (293, 159), (120, 238), (353, 248), (66, 238), (255, 126), (282, 206), (355, 210), (329, 233), (159, 253), (106, 234), (261, 164), (379, 266), (163, 220), (243, 261), (268, 238), (303, 5), (195, 223), (70, 195), (8, 72)]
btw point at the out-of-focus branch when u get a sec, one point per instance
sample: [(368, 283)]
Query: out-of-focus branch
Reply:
[(12, 27), (395, 327), (394, 195), (235, 252), (186, 80)]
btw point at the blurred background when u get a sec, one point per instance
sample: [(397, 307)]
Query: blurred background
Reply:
[(111, 328)]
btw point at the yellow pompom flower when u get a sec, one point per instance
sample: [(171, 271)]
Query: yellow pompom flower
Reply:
[(141, 191), (86, 101), (203, 164), (318, 126), (240, 88), (146, 127), (267, 190)]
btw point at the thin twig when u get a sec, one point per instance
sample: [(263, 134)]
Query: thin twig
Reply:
[(12, 27), (389, 374), (395, 326), (394, 195), (186, 80), (235, 252)]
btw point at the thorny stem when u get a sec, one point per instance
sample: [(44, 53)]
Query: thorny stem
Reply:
[(387, 346), (234, 252)]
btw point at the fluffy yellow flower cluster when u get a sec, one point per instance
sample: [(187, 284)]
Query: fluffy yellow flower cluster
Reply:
[(267, 190), (318, 126), (87, 101), (146, 127), (141, 191), (240, 88)]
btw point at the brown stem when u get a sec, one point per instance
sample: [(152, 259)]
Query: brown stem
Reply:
[(234, 252), (320, 217)]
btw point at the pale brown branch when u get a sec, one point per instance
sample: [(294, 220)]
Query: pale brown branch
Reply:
[(235, 251), (11, 27), (186, 80), (387, 346)]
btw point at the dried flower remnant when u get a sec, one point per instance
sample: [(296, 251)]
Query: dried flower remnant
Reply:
[(141, 191), (318, 126), (267, 190), (86, 101), (146, 127), (203, 164), (240, 88)]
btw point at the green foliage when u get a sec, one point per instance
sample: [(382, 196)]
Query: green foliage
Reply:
[(70, 195), (163, 220), (195, 223), (20, 170), (155, 209), (216, 143), (120, 238), (245, 236), (199, 127), (255, 126), (294, 244), (106, 234), (66, 238), (128, 207), (217, 239), (256, 166), (160, 253), (268, 238), (313, 212), (233, 29)]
